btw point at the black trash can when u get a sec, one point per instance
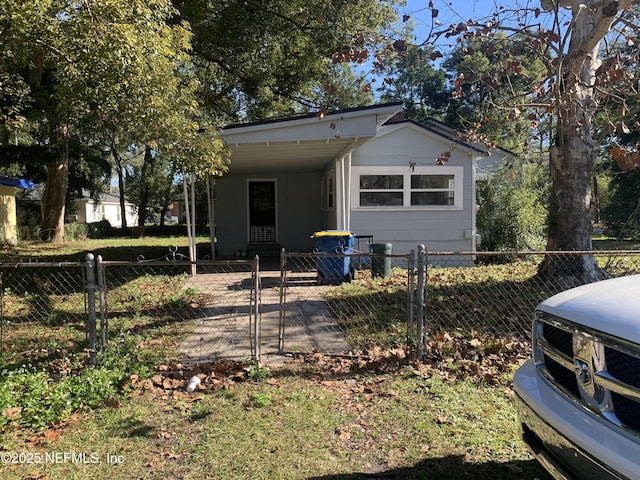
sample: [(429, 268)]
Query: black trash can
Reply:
[(381, 266)]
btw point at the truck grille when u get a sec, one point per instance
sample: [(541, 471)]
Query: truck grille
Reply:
[(600, 371)]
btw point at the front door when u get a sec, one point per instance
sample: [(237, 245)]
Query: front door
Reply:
[(262, 211)]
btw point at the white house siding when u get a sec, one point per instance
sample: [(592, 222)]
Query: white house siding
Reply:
[(353, 124), (438, 228), (298, 213), (88, 211)]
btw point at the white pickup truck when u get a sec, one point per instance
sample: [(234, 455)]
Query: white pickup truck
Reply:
[(578, 398)]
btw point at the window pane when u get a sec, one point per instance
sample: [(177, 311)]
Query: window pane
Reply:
[(377, 199), (331, 188), (381, 182), (432, 181), (431, 198)]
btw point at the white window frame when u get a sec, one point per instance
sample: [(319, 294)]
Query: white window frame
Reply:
[(331, 190), (406, 172)]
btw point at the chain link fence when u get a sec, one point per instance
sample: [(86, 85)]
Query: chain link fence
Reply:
[(495, 293), (43, 313), (340, 303), (242, 309), (211, 305)]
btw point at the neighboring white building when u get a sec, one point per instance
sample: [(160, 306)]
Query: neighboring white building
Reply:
[(88, 210)]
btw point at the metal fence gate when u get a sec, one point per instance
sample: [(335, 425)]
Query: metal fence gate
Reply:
[(219, 298), (351, 303)]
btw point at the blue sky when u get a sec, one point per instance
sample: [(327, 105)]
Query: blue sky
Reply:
[(449, 11)]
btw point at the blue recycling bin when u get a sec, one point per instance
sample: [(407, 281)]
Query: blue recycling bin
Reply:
[(334, 269)]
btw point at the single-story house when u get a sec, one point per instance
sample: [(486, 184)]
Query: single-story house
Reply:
[(106, 207), (363, 170)]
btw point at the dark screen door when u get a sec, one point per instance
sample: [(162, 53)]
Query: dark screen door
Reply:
[(262, 211)]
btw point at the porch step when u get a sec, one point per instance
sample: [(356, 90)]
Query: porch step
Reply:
[(264, 249)]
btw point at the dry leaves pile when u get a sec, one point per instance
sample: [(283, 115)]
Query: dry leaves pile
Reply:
[(360, 381), (482, 359), (473, 356), (171, 381)]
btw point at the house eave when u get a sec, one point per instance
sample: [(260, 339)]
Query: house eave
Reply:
[(302, 143)]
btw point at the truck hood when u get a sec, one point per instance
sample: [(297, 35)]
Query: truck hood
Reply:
[(611, 306)]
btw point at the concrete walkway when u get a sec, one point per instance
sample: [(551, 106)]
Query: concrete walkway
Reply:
[(225, 326)]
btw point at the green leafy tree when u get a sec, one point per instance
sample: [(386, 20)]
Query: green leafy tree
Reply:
[(412, 78), (262, 59), (493, 78), (147, 95), (150, 182), (618, 172), (110, 73), (621, 209), (339, 88), (511, 211)]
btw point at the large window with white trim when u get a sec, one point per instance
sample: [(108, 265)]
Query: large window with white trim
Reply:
[(418, 188)]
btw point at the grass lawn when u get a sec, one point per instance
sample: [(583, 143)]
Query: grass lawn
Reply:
[(111, 249), (314, 418)]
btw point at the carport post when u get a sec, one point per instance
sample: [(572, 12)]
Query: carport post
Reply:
[(190, 212), (211, 205)]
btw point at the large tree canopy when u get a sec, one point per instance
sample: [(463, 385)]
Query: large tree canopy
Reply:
[(260, 59), (108, 73), (121, 75)]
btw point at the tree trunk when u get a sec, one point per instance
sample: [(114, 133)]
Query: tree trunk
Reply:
[(55, 192), (572, 159), (163, 212), (118, 162), (570, 226), (143, 201)]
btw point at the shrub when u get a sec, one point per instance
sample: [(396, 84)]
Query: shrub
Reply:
[(620, 204), (76, 231), (35, 399), (101, 229), (511, 213)]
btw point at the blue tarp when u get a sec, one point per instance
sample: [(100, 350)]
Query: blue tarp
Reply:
[(16, 182)]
